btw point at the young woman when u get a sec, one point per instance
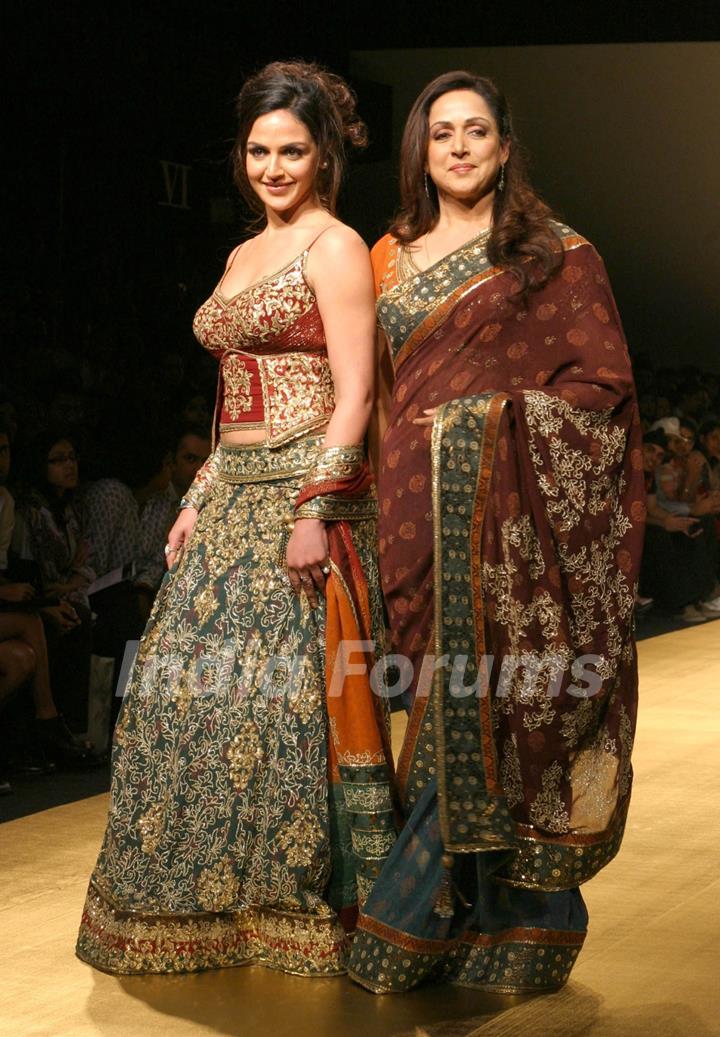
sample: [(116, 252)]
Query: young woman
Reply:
[(511, 514), (250, 805), (49, 531)]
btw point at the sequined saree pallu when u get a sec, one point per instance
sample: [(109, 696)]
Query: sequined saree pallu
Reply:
[(510, 540), (249, 813)]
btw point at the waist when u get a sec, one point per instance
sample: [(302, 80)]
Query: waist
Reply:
[(274, 398), (256, 433), (260, 462)]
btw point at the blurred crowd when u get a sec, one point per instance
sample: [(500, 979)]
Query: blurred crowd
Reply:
[(97, 446), (680, 412)]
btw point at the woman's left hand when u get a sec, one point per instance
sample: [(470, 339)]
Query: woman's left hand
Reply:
[(430, 413), (307, 555)]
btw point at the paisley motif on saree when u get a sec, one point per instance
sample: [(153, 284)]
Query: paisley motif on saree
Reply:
[(510, 539), (232, 836)]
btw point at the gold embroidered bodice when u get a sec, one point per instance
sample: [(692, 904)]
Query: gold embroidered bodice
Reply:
[(270, 342)]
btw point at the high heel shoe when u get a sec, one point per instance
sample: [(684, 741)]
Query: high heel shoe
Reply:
[(60, 744)]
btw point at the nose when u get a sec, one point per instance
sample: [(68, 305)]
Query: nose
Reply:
[(459, 147), (273, 167)]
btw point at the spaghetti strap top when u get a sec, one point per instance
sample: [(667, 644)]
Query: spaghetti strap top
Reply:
[(265, 337)]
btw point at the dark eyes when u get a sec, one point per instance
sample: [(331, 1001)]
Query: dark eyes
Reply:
[(475, 131), (258, 152)]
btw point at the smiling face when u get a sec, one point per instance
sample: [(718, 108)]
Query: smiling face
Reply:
[(465, 151), (281, 161)]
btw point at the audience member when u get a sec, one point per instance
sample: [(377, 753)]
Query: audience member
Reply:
[(192, 450), (23, 647), (677, 570), (709, 437), (48, 531)]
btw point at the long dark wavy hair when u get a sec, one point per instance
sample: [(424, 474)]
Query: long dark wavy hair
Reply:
[(322, 101), (521, 229)]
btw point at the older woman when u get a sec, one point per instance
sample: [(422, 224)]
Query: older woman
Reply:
[(511, 516)]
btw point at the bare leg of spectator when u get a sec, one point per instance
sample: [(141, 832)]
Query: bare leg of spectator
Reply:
[(17, 663), (26, 631)]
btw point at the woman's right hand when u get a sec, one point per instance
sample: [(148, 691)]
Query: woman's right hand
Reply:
[(179, 534)]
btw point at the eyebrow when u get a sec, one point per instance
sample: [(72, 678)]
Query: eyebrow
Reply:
[(288, 144), (468, 122)]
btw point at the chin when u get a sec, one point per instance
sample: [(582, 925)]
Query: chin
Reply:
[(468, 192)]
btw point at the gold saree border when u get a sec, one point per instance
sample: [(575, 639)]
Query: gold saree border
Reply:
[(473, 813), (412, 307), (440, 314), (514, 960), (553, 863), (474, 817)]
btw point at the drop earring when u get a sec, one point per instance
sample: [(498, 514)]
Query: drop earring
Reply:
[(501, 179), (427, 187)]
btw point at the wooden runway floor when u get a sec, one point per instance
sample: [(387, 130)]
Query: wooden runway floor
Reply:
[(649, 967)]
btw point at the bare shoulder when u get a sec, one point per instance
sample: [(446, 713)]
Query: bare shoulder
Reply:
[(232, 255), (339, 240), (339, 251)]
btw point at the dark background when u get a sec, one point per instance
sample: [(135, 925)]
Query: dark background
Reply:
[(97, 263)]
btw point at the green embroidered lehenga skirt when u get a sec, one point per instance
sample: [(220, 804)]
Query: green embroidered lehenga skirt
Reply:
[(225, 844)]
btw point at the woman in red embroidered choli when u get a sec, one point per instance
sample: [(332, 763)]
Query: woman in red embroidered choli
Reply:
[(239, 830), (275, 377)]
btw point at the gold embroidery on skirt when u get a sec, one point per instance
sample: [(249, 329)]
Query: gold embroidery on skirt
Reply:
[(220, 798)]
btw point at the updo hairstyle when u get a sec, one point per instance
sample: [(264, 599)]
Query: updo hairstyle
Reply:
[(322, 101)]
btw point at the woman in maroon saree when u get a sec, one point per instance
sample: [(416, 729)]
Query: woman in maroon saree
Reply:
[(511, 517)]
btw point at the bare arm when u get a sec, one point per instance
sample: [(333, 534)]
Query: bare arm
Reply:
[(659, 516), (339, 272)]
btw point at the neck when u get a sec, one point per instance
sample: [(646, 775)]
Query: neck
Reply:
[(456, 214), (295, 217)]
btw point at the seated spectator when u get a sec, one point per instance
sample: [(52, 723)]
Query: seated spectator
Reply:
[(48, 525), (677, 569), (23, 646), (16, 666), (24, 662), (48, 531), (192, 450), (696, 473), (709, 439), (128, 518)]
